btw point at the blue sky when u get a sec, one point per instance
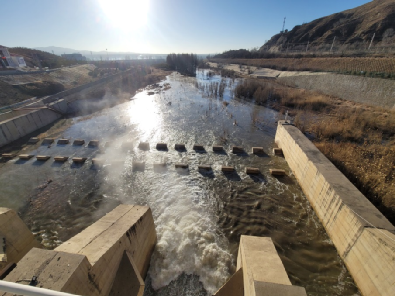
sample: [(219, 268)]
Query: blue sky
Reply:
[(156, 26)]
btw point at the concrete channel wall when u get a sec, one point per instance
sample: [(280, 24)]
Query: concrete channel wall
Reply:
[(364, 238), (23, 122), (17, 127)]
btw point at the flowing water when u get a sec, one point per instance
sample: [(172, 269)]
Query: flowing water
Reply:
[(199, 217)]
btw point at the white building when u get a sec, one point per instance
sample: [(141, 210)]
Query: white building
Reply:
[(10, 61)]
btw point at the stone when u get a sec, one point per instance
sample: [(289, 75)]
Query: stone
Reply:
[(278, 172), (180, 146), (252, 170), (181, 165), (42, 158), (144, 146), (61, 158), (237, 150), (278, 152), (93, 143), (79, 159), (48, 140), (63, 141), (227, 168), (258, 150), (162, 146), (33, 140), (7, 156), (25, 156), (78, 142), (217, 148), (198, 147)]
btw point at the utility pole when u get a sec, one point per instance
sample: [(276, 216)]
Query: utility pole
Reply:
[(283, 28), (307, 47), (332, 44), (371, 41)]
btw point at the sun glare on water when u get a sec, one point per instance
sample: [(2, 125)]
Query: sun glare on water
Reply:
[(126, 14)]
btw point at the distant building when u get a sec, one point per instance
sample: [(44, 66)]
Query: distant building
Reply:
[(9, 60), (74, 57)]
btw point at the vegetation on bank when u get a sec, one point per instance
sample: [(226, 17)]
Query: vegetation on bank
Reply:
[(31, 57), (358, 139), (186, 64), (371, 67)]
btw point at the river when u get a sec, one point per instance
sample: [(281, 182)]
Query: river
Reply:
[(199, 217)]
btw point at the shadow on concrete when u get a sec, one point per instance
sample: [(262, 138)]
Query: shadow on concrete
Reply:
[(76, 165), (200, 151), (57, 164), (222, 152), (21, 161), (38, 163), (261, 155), (242, 154)]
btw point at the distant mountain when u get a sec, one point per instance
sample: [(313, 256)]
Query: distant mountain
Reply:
[(99, 55), (355, 26)]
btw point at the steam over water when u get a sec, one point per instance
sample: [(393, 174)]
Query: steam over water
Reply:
[(199, 217)]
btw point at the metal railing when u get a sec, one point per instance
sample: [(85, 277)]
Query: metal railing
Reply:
[(27, 290)]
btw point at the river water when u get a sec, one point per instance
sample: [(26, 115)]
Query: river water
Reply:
[(199, 217)]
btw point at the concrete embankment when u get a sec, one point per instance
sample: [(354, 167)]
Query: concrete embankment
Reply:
[(364, 238), (111, 257), (24, 122)]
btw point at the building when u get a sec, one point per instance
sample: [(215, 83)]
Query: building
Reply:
[(74, 57), (9, 60)]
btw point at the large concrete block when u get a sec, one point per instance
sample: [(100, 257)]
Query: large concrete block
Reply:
[(127, 228), (261, 263), (18, 238), (55, 270), (233, 286)]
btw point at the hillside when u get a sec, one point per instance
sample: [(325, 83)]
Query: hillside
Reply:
[(47, 59), (353, 27)]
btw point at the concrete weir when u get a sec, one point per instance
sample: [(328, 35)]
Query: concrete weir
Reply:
[(110, 257), (364, 238)]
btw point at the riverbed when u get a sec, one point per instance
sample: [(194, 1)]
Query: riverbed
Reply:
[(199, 216)]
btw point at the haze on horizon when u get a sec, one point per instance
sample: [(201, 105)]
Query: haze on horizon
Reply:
[(156, 26)]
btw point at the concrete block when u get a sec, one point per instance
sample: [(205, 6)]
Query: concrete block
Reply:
[(278, 172), (258, 150), (42, 158), (218, 148), (93, 143), (79, 159), (162, 146), (127, 228), (61, 158), (252, 170), (63, 141), (78, 142), (180, 146), (33, 140), (204, 167), (25, 156), (19, 240), (278, 151), (233, 286), (237, 150), (198, 147), (227, 168), (144, 146), (127, 145), (271, 289), (55, 270), (7, 156), (138, 165), (48, 141), (260, 262), (181, 165)]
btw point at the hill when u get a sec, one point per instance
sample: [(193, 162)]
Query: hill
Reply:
[(353, 28), (46, 59)]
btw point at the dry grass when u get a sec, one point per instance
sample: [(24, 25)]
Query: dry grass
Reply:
[(360, 142), (384, 67)]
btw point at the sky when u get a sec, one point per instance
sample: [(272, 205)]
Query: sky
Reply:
[(156, 26)]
